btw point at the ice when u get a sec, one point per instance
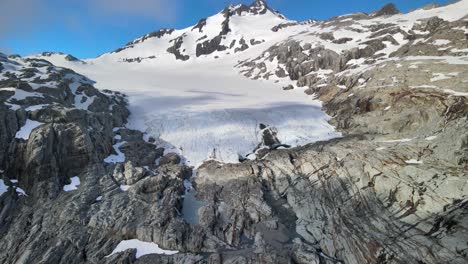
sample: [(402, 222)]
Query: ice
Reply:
[(75, 181), (26, 130), (204, 106), (205, 109), (99, 198), (142, 248), (431, 138)]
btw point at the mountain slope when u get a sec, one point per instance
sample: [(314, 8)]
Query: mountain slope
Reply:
[(201, 107), (227, 32), (374, 107)]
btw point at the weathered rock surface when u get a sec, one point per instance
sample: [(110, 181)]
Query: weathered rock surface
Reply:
[(115, 199), (394, 189)]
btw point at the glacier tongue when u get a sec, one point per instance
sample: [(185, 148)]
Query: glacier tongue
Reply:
[(207, 110)]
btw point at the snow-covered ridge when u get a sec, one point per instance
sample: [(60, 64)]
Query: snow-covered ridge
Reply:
[(361, 41), (183, 89), (227, 32)]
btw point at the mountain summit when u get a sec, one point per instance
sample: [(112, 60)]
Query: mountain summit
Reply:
[(259, 7), (234, 29)]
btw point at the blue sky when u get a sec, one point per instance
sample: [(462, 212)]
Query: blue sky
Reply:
[(88, 28)]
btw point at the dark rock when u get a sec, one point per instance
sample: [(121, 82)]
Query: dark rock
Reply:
[(342, 40), (210, 46), (387, 10), (175, 49), (289, 87), (170, 158), (200, 25)]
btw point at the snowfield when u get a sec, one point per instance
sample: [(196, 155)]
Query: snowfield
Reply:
[(142, 248), (205, 109)]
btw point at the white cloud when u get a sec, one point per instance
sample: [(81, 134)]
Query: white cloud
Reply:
[(157, 9), (19, 15)]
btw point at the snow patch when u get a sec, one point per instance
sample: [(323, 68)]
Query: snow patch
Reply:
[(20, 191), (26, 130), (440, 42), (414, 161), (397, 140), (142, 248), (3, 187), (21, 94), (116, 158), (36, 107), (437, 76), (75, 181), (124, 187)]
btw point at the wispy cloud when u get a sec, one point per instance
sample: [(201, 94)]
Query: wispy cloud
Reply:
[(5, 50), (20, 16), (157, 9)]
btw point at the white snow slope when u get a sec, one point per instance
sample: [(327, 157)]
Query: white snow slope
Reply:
[(207, 110), (202, 106)]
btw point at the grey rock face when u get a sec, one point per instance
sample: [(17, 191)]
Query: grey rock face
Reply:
[(392, 190), (404, 121), (210, 46), (156, 34), (170, 158), (175, 49), (200, 25), (387, 10)]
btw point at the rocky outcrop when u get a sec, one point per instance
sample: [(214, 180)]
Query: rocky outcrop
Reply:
[(175, 49), (210, 46), (156, 34), (393, 189), (79, 183), (378, 194), (387, 10)]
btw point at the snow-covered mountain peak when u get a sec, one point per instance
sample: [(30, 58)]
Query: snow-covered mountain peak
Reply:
[(259, 7), (230, 31)]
